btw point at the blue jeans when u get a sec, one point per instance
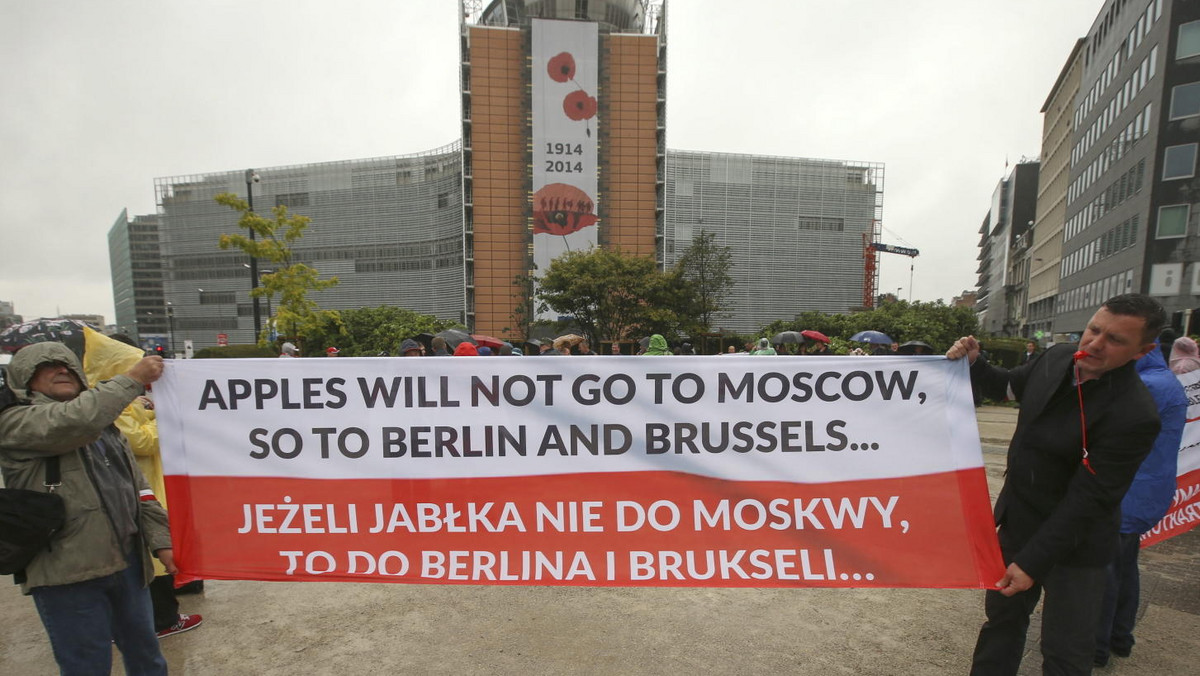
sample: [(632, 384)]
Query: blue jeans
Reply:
[(84, 619), (1115, 630)]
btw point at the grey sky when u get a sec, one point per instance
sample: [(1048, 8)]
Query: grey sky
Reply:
[(102, 97)]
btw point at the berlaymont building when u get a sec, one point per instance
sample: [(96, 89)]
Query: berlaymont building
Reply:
[(563, 146)]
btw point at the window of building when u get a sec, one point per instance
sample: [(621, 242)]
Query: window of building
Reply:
[(443, 200), (1172, 221), (1189, 40), (1185, 101), (1179, 162)]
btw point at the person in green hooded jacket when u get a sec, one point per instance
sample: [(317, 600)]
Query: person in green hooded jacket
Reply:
[(89, 586), (658, 347)]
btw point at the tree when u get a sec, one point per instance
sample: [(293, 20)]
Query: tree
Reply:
[(705, 267), (295, 313), (611, 295), (369, 331)]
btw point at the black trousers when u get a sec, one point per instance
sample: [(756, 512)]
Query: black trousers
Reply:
[(1069, 617), (162, 596)]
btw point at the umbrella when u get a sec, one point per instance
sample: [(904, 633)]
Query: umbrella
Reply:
[(788, 337), (874, 337), (570, 340), (454, 337), (815, 335), (915, 347), (66, 331), (487, 341)]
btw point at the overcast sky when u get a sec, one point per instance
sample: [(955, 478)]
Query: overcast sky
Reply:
[(101, 98)]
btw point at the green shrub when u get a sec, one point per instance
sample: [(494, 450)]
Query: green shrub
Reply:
[(234, 352)]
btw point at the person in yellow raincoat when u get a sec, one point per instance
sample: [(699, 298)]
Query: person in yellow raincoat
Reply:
[(103, 358)]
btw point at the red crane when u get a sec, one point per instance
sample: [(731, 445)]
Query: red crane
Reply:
[(870, 273)]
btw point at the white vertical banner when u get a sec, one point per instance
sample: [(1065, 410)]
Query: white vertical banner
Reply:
[(565, 127)]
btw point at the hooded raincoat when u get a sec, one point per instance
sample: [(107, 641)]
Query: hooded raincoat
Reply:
[(36, 427)]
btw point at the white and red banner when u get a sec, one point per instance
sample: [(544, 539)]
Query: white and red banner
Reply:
[(617, 471), (564, 103), (1184, 513)]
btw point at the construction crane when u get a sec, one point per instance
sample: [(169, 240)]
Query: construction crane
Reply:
[(870, 265)]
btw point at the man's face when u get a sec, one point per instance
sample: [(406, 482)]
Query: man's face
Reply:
[(412, 352), (1029, 347), (56, 381), (615, 349), (1111, 341)]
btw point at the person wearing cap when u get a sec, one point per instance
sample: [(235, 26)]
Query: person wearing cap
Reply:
[(332, 352), (1086, 423), (410, 348), (288, 350)]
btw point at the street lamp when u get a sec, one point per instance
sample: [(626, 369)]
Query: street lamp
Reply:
[(171, 326), (258, 281), (251, 179)]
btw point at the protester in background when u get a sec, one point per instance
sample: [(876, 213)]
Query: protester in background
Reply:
[(1184, 356), (585, 348), (657, 347), (410, 348), (686, 349), (483, 351), (137, 422), (1166, 341), (285, 350), (1030, 352), (732, 349), (1144, 505), (465, 349), (1058, 509), (764, 348), (819, 349), (332, 352), (90, 585), (439, 347), (615, 349)]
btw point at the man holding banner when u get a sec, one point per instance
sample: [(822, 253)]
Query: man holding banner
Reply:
[(1086, 423)]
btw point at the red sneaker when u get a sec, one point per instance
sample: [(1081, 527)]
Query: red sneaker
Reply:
[(185, 623)]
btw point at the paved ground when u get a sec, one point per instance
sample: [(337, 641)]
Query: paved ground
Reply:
[(324, 628)]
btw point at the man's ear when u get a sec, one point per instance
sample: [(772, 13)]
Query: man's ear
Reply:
[(1146, 349)]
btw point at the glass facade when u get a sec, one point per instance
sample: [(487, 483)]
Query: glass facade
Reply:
[(794, 226), (390, 229)]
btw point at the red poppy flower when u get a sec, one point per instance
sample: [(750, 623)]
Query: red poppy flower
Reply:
[(579, 106), (560, 209), (562, 67)]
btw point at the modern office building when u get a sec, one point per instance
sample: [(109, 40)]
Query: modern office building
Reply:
[(1003, 241), (795, 228), (135, 263), (1132, 207), (389, 228), (563, 146), (1044, 256)]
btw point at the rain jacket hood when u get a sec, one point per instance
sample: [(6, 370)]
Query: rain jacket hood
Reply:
[(27, 360), (658, 346)]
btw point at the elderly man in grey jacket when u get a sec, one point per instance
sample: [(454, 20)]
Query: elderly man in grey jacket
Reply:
[(90, 585)]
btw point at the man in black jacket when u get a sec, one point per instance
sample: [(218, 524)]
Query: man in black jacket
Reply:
[(1058, 512)]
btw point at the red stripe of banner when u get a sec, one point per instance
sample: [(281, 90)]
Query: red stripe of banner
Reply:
[(928, 531)]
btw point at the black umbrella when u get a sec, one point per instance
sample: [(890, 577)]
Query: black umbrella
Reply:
[(793, 337), (454, 337), (915, 347), (66, 331)]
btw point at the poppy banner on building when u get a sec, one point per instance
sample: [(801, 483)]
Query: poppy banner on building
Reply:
[(615, 471)]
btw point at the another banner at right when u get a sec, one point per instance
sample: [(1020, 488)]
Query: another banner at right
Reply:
[(1184, 513)]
